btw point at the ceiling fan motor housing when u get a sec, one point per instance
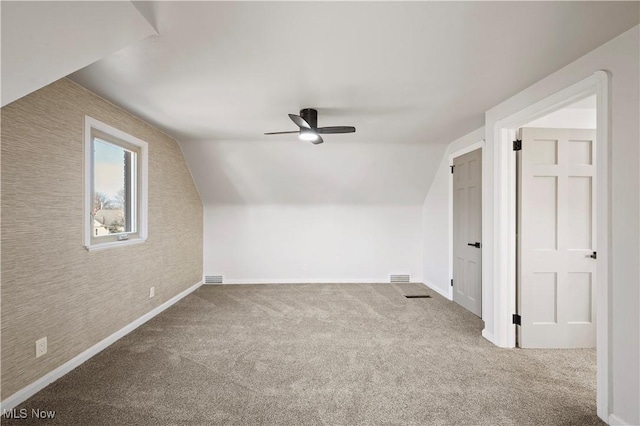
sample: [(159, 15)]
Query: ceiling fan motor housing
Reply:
[(310, 116)]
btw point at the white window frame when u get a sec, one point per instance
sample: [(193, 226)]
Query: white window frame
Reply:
[(140, 235)]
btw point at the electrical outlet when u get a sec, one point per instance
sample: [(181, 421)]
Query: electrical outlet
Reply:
[(41, 347), (152, 292)]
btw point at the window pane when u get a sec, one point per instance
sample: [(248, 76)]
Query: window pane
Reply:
[(112, 196)]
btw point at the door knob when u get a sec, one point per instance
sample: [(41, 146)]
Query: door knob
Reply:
[(476, 245)]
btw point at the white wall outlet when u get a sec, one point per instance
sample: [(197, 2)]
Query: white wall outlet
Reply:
[(152, 292), (41, 347)]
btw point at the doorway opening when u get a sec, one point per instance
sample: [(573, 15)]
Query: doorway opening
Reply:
[(505, 131)]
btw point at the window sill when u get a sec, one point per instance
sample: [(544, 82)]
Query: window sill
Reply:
[(112, 244)]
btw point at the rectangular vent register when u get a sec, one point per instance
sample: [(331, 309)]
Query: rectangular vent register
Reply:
[(213, 279)]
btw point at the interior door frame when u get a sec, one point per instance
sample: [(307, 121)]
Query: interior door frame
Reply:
[(477, 145), (504, 132)]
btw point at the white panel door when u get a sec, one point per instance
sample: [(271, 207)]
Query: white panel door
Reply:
[(556, 238), (467, 231)]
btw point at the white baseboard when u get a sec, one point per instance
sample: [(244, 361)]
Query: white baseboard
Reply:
[(488, 336), (437, 290), (311, 281), (31, 389), (617, 421)]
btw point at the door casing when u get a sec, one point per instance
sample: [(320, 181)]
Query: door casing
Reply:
[(504, 235)]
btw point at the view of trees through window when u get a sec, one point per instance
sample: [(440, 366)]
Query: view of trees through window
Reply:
[(111, 180)]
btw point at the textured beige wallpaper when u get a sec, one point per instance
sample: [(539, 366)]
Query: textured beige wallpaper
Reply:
[(51, 285)]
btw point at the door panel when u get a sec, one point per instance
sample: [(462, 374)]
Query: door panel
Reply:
[(579, 204), (556, 238), (467, 228)]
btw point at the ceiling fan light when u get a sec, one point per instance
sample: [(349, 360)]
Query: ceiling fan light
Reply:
[(308, 136)]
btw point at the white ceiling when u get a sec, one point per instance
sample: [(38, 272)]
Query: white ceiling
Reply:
[(44, 41), (411, 76)]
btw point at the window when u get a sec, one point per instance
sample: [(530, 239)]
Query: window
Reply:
[(115, 187)]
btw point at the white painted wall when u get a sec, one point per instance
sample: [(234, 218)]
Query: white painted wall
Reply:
[(312, 243), (620, 57), (436, 220)]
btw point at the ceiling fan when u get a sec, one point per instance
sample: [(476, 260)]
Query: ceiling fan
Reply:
[(307, 121)]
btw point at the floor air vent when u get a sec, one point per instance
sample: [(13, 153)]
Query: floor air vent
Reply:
[(400, 278), (213, 279), (419, 296)]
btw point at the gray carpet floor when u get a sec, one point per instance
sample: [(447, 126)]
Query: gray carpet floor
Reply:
[(337, 354)]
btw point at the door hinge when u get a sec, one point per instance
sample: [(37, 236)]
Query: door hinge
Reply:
[(517, 319), (517, 145), (451, 282), (452, 167), (594, 255)]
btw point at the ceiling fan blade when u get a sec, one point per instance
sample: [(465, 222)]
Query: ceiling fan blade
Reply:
[(282, 133), (317, 141), (336, 129), (300, 122)]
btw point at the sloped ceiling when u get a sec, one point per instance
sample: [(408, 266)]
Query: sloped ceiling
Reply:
[(44, 41), (411, 76)]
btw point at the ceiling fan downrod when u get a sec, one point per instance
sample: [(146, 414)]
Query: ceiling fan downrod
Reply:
[(310, 115)]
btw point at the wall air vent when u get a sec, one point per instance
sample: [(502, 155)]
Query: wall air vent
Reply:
[(213, 279), (400, 278)]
